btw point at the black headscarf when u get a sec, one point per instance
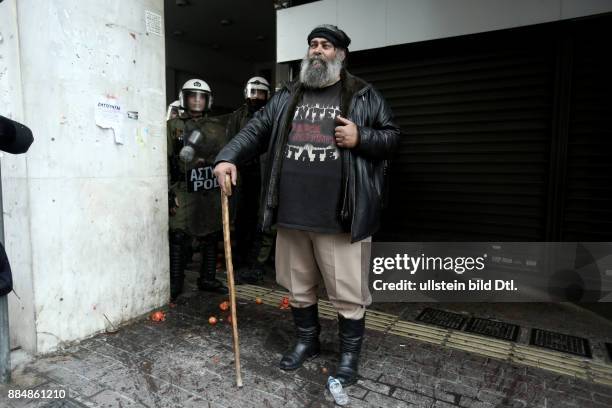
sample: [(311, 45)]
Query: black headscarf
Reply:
[(332, 34)]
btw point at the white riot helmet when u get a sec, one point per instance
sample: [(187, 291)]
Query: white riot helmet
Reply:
[(202, 92), (174, 107), (254, 84)]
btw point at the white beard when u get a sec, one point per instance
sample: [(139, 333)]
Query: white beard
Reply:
[(321, 76)]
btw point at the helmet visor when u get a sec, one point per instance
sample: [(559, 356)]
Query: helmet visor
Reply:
[(196, 100), (253, 92)]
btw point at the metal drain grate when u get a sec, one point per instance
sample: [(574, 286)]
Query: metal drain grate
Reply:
[(442, 318), (493, 328), (560, 342)]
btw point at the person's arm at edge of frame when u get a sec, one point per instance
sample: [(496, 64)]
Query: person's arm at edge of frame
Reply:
[(15, 138)]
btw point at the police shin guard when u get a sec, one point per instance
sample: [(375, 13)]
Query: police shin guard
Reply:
[(188, 252), (307, 329), (255, 271), (207, 281), (178, 240), (351, 337)]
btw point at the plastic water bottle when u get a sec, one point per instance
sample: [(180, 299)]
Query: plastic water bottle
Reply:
[(335, 388)]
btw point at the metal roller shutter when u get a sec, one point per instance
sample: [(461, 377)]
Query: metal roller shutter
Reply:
[(475, 113), (587, 214)]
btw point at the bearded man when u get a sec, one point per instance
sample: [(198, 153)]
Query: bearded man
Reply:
[(328, 136)]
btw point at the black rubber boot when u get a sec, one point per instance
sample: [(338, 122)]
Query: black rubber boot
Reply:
[(178, 240), (208, 269), (351, 337), (307, 330)]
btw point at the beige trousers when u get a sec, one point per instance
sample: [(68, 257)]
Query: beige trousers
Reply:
[(303, 257)]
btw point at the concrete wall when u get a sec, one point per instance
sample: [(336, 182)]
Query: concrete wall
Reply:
[(374, 24), (85, 217), (15, 190)]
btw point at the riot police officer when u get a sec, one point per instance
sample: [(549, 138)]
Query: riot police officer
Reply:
[(174, 110), (194, 139), (252, 246)]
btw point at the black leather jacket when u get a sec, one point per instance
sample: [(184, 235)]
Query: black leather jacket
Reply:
[(363, 166)]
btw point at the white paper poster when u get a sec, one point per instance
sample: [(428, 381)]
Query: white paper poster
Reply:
[(110, 115)]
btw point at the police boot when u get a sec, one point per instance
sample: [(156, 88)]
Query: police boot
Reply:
[(177, 263), (208, 269), (307, 330), (253, 274), (351, 336)]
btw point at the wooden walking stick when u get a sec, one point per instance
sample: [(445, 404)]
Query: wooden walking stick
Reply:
[(230, 274)]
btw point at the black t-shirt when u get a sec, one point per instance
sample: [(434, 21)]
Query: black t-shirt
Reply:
[(310, 183)]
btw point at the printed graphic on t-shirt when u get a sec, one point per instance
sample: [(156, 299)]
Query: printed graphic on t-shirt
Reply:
[(312, 134)]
